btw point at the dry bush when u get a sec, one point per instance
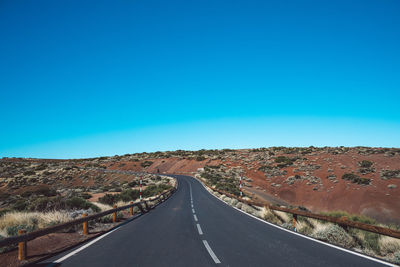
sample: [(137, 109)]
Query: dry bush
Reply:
[(270, 216), (282, 216), (334, 234), (102, 207), (31, 220), (389, 245)]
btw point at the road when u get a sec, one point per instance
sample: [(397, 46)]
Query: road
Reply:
[(209, 233)]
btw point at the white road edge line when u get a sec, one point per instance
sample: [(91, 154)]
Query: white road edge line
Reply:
[(83, 247), (303, 236), (89, 244), (195, 217), (211, 252), (193, 211), (199, 229)]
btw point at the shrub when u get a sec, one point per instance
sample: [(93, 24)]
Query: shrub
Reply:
[(200, 158), (129, 195), (371, 241), (4, 196), (13, 230), (80, 203), (132, 183), (40, 190), (356, 179), (228, 186), (20, 205), (109, 199), (47, 204), (396, 257), (108, 218), (284, 161), (146, 163), (365, 164), (152, 190), (41, 167), (85, 195), (336, 235), (30, 172)]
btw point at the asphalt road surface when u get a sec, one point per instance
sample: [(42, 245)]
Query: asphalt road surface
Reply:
[(193, 228)]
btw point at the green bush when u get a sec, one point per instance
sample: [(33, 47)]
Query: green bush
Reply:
[(132, 184), (41, 167), (365, 164), (351, 217), (85, 195), (108, 218), (4, 211), (371, 241), (284, 161), (20, 205), (80, 203), (229, 187), (146, 163), (129, 195), (13, 230), (30, 172), (41, 190), (153, 190), (4, 196), (109, 199), (356, 179)]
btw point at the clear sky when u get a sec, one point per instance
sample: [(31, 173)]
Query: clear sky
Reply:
[(90, 78)]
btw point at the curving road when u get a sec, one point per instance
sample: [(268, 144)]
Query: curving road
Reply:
[(211, 233)]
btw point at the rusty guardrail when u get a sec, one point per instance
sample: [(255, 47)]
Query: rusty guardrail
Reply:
[(342, 221), (23, 237)]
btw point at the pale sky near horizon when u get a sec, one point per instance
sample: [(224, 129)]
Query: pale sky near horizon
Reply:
[(115, 77)]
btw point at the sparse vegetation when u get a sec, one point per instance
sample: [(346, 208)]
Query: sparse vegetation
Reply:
[(283, 161), (146, 163), (365, 164), (356, 179)]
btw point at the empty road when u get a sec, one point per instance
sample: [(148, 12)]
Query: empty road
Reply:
[(193, 228)]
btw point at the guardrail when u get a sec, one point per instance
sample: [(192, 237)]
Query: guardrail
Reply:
[(23, 237), (342, 221)]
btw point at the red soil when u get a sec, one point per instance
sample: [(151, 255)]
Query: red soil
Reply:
[(375, 200)]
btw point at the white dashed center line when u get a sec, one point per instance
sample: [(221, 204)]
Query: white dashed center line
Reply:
[(211, 252), (199, 229)]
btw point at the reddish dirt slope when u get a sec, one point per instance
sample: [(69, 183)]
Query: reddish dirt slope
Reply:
[(376, 200)]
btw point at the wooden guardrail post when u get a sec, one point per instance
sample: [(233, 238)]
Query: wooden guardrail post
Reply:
[(294, 222), (343, 224), (131, 209), (114, 214), (85, 225), (22, 249)]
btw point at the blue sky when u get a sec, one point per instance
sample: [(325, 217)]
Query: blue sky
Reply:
[(114, 77)]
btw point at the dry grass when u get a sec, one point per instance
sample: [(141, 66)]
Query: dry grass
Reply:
[(319, 226), (389, 245), (32, 219), (102, 207), (282, 216)]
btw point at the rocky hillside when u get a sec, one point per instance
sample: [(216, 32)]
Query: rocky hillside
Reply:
[(359, 180)]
